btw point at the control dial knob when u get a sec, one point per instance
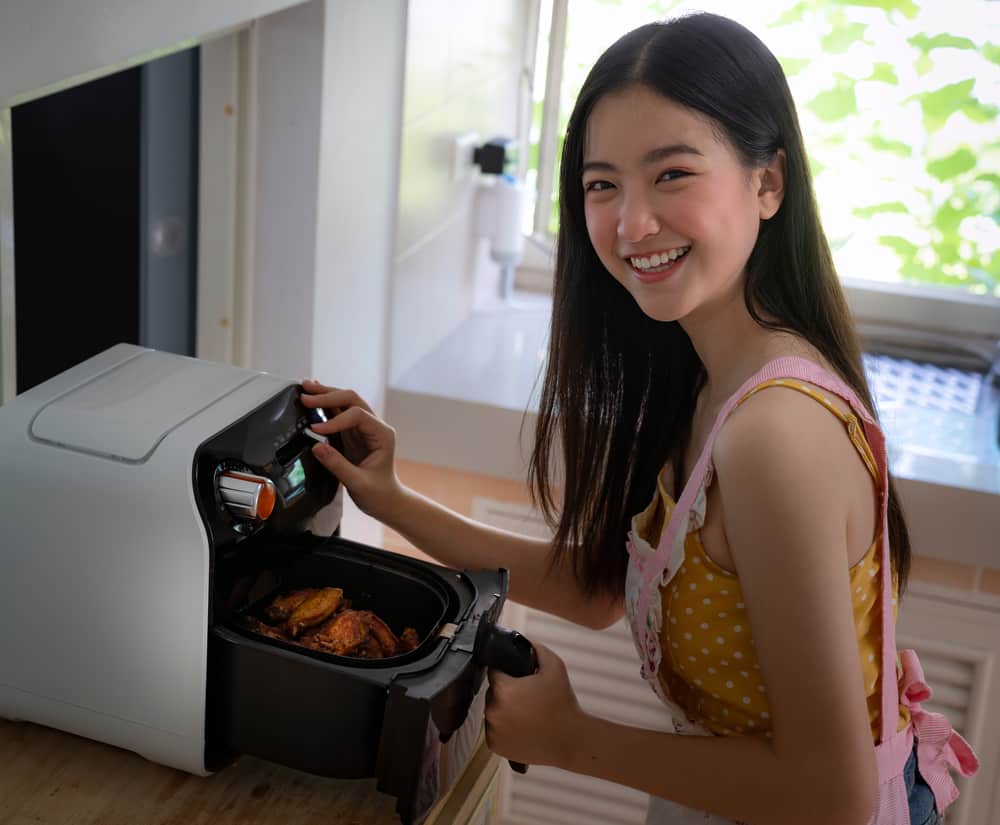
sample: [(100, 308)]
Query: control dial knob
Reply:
[(247, 495)]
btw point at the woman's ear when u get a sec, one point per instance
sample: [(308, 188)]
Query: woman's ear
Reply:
[(771, 186)]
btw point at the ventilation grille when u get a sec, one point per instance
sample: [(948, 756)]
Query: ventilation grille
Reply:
[(952, 680), (958, 645)]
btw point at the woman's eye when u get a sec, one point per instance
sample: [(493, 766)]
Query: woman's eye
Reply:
[(597, 186), (674, 174)]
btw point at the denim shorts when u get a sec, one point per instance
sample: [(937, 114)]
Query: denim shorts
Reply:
[(919, 794)]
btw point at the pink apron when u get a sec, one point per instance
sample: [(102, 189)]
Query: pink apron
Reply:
[(939, 747)]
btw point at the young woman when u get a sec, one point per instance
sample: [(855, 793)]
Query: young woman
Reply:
[(725, 480)]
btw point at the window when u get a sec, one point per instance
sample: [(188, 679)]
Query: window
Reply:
[(899, 102)]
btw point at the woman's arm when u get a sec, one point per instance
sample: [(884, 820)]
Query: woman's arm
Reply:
[(457, 541), (782, 468), (368, 473)]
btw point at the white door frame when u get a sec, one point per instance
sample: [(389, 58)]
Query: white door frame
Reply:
[(8, 336), (226, 193)]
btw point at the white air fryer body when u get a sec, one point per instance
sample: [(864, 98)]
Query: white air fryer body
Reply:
[(104, 563)]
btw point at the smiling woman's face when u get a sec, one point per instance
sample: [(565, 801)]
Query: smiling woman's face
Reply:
[(671, 211)]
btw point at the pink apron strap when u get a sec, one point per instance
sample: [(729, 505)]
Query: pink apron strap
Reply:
[(661, 560), (891, 755), (665, 559)]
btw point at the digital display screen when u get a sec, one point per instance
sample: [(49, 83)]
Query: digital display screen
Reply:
[(295, 479)]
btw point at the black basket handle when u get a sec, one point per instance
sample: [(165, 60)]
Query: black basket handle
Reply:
[(507, 651)]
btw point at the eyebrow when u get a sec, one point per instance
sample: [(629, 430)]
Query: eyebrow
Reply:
[(656, 155)]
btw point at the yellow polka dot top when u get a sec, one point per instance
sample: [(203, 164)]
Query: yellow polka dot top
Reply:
[(709, 666)]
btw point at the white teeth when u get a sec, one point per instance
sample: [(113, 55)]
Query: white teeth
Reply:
[(659, 258)]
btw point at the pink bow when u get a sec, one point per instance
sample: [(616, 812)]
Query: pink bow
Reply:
[(939, 747)]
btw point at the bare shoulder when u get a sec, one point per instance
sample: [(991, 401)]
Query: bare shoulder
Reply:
[(780, 414), (783, 442)]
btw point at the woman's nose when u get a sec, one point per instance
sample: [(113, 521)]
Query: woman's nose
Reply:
[(637, 220)]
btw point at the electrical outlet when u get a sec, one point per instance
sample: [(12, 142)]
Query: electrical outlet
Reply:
[(463, 148)]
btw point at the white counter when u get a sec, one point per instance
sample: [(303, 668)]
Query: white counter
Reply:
[(463, 406)]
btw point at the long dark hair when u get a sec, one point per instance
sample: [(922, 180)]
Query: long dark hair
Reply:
[(620, 388)]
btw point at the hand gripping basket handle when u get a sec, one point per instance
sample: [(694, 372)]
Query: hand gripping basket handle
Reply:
[(507, 651)]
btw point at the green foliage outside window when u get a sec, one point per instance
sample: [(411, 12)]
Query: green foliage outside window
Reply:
[(899, 110)]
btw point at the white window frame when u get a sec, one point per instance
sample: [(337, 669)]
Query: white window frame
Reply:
[(929, 318)]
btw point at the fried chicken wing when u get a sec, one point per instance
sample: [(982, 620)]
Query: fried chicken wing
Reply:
[(409, 639), (322, 619), (264, 629), (371, 649), (281, 607), (381, 632), (314, 610), (342, 635)]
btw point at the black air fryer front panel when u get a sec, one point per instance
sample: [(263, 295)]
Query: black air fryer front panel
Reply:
[(268, 442)]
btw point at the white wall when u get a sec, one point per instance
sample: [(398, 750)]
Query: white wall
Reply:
[(329, 100), (358, 188), (291, 50), (464, 62), (48, 42)]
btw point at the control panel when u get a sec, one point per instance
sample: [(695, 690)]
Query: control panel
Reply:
[(259, 474)]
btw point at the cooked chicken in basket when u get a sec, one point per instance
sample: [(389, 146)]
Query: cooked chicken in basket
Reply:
[(321, 618)]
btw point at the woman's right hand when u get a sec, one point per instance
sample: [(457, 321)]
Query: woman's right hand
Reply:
[(366, 466)]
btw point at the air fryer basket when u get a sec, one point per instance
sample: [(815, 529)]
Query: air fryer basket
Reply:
[(400, 596), (342, 716)]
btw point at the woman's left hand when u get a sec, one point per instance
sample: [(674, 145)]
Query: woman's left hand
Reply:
[(533, 719)]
